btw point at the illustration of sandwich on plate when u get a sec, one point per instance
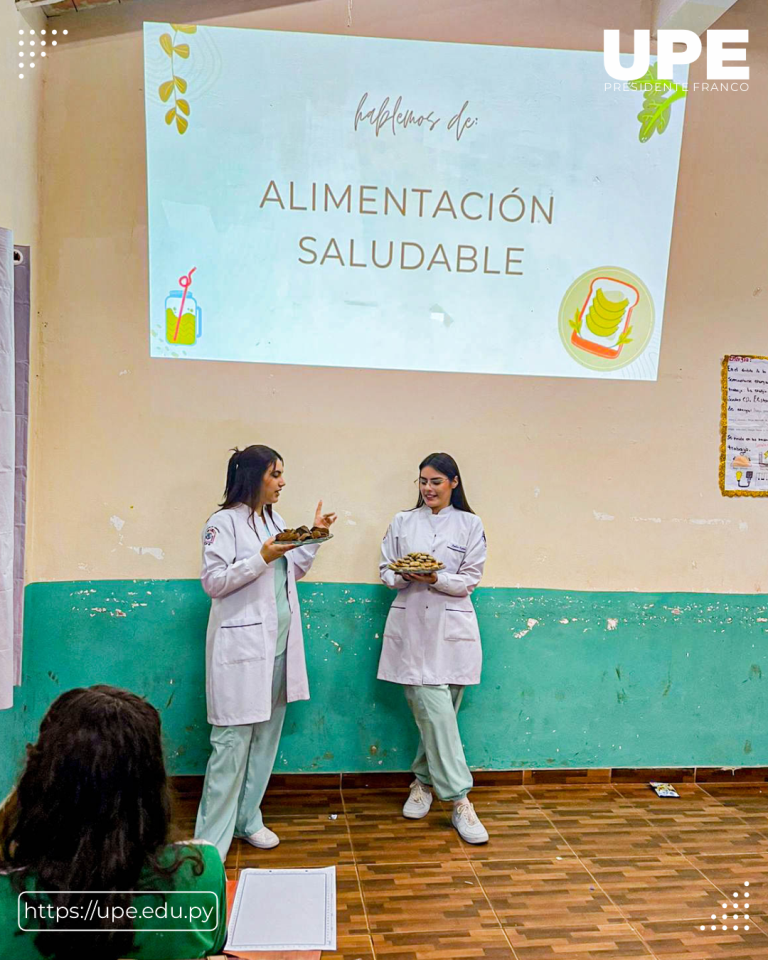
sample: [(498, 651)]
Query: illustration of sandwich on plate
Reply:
[(603, 324)]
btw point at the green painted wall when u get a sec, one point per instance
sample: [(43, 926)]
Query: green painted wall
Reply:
[(570, 679)]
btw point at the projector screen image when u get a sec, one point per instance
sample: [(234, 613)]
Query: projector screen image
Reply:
[(352, 202)]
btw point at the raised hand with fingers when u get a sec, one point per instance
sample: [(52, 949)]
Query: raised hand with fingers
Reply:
[(323, 520)]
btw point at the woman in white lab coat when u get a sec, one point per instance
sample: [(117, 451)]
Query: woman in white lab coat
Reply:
[(254, 654), (431, 638)]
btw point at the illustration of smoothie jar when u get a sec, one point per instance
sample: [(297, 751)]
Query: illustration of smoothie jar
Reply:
[(603, 325), (183, 315)]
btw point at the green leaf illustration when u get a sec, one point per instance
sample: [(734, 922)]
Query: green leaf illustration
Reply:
[(184, 27), (167, 44), (181, 84), (183, 106), (170, 115), (654, 116), (166, 89), (575, 324), (181, 124), (181, 50), (625, 337)]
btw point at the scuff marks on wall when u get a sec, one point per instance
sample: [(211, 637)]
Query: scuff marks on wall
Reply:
[(569, 692)]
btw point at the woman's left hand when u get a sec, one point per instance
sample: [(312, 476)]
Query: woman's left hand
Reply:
[(424, 577), (323, 520)]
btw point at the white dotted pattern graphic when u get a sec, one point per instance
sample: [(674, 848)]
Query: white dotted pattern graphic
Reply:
[(736, 906), (23, 43)]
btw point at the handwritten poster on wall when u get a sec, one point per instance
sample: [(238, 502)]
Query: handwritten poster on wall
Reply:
[(395, 204), (744, 427)]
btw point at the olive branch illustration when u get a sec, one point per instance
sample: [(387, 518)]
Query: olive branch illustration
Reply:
[(654, 117), (575, 324), (176, 85)]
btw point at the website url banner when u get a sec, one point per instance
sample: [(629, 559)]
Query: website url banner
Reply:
[(160, 911)]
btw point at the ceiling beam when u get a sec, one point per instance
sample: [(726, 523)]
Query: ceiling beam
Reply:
[(694, 15)]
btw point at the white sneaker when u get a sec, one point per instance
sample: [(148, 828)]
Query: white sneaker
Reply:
[(418, 803), (264, 839), (468, 823)]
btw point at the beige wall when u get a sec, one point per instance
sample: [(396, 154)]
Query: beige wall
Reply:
[(20, 104), (602, 485)]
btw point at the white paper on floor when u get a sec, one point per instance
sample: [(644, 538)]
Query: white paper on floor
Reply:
[(284, 910)]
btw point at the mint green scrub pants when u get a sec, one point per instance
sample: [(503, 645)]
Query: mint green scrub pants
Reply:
[(440, 761), (238, 772)]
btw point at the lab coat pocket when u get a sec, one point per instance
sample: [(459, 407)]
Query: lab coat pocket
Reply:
[(460, 624), (395, 625), (241, 640)]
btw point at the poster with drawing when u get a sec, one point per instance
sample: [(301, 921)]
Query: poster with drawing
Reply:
[(744, 427)]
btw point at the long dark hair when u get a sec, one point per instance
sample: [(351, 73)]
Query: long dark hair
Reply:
[(91, 810), (445, 464), (245, 473)]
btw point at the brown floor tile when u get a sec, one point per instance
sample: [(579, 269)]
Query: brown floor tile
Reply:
[(375, 781), (509, 803), (310, 782), (304, 842), (738, 793), (728, 838), (692, 814), (742, 775), (497, 778), (351, 948), (184, 828), (614, 810), (729, 874), (388, 803), (471, 945), (300, 803), (642, 775), (656, 888), (749, 803), (350, 912), (557, 893), (618, 838), (524, 838), (684, 940), (390, 838), (552, 793), (420, 897), (643, 793), (605, 941), (584, 776)]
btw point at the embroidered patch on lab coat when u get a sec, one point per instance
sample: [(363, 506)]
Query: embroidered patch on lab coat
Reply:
[(210, 536)]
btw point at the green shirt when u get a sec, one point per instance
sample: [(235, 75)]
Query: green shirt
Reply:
[(148, 944), (281, 599)]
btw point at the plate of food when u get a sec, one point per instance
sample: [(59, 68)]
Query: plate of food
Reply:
[(302, 535), (417, 563)]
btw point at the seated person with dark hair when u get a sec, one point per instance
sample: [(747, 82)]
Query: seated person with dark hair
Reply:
[(92, 812)]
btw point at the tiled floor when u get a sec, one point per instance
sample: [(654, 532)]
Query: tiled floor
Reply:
[(570, 873)]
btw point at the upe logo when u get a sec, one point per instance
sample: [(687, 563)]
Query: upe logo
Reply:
[(667, 56)]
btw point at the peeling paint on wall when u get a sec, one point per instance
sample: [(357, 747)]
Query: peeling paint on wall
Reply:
[(155, 552)]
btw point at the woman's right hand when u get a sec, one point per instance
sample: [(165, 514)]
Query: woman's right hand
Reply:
[(271, 550)]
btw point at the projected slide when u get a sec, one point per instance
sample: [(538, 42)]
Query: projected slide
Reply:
[(352, 202)]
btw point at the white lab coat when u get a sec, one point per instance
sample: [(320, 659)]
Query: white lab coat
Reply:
[(431, 635), (242, 626)]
